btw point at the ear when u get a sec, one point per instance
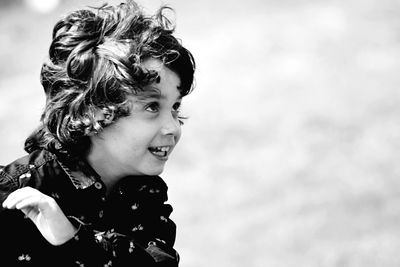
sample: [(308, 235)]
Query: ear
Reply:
[(99, 115), (104, 116)]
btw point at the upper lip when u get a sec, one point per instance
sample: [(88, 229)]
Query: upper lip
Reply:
[(169, 145), (162, 146)]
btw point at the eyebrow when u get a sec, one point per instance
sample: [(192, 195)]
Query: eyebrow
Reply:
[(152, 92)]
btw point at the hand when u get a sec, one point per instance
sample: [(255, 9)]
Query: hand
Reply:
[(44, 212)]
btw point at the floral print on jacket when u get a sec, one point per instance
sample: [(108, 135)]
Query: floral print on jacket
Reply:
[(128, 227)]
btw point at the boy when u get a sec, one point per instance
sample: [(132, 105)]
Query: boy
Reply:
[(89, 189)]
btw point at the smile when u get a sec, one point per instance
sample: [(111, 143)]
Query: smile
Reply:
[(160, 151)]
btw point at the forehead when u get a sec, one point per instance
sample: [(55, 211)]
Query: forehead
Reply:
[(162, 70), (167, 86), (153, 64)]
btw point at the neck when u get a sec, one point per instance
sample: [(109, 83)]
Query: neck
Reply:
[(105, 169)]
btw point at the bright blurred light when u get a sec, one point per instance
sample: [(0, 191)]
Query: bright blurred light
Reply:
[(42, 6)]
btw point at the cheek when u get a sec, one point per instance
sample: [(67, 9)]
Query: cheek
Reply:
[(178, 135), (137, 139)]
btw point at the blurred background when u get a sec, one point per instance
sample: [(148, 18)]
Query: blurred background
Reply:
[(289, 155)]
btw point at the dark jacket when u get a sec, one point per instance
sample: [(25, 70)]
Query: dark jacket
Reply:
[(128, 227)]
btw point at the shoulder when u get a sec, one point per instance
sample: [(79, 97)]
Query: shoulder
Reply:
[(46, 171), (27, 170), (24, 165)]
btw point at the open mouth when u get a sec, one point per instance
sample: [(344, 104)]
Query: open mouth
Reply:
[(160, 151)]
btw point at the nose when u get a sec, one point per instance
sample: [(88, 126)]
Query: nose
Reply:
[(171, 126)]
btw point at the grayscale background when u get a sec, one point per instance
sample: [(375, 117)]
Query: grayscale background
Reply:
[(289, 155)]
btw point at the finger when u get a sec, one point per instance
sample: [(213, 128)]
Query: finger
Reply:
[(30, 201), (17, 198), (9, 202), (18, 192), (19, 195), (36, 202)]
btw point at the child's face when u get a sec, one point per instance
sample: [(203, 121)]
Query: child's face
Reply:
[(141, 143)]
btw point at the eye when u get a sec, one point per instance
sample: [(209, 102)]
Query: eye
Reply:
[(153, 107), (177, 107), (177, 111)]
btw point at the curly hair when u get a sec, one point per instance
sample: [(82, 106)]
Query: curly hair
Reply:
[(95, 63)]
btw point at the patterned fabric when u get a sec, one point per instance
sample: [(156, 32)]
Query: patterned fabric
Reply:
[(128, 227)]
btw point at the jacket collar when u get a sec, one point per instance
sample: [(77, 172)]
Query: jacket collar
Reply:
[(79, 171)]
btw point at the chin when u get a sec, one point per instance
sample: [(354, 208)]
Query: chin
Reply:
[(154, 172)]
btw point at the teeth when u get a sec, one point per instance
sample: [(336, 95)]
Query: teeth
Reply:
[(160, 150)]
